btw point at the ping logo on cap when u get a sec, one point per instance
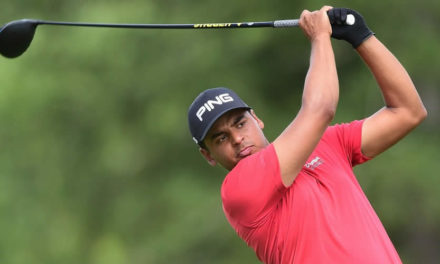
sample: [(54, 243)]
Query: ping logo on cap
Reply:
[(210, 104)]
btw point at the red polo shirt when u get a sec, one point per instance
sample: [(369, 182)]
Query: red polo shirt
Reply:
[(323, 217)]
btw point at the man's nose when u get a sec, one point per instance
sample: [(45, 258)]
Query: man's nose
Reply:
[(237, 137)]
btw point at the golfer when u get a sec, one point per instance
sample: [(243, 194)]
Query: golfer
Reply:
[(296, 199)]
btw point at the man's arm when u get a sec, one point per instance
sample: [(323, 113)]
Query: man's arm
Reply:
[(403, 109), (319, 101)]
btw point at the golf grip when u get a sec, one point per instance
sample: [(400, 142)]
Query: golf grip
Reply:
[(295, 22), (286, 23)]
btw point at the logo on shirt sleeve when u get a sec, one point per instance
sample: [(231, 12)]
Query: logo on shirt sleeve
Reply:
[(314, 163)]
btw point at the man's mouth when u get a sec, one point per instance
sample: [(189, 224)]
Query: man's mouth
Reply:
[(246, 151)]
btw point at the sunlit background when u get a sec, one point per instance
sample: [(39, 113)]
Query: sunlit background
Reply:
[(96, 161)]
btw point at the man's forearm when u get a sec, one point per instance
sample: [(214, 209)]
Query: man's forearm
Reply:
[(321, 88), (396, 86), (404, 109)]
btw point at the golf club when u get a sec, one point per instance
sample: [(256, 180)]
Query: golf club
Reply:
[(16, 36)]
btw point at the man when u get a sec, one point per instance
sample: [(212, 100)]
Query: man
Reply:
[(296, 200)]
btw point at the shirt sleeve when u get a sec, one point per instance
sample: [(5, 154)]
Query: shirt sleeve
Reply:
[(253, 189), (349, 136)]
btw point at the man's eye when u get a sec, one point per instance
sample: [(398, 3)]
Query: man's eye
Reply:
[(221, 139), (241, 124)]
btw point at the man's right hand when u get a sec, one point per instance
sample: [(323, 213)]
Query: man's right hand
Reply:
[(315, 24)]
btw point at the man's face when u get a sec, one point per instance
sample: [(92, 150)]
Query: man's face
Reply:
[(234, 136)]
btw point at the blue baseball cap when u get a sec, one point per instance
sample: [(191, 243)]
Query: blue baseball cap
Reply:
[(209, 106)]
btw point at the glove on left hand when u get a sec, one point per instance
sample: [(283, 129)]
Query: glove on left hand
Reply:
[(354, 34)]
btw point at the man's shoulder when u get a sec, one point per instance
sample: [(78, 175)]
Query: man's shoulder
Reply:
[(253, 168), (343, 129), (256, 161), (347, 125)]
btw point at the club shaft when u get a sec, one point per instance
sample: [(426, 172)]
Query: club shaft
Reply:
[(277, 23)]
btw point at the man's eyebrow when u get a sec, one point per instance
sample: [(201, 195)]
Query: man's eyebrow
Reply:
[(215, 135), (238, 119)]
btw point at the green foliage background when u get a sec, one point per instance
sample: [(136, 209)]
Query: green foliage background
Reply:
[(97, 164)]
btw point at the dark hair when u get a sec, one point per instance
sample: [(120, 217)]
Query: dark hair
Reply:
[(202, 145)]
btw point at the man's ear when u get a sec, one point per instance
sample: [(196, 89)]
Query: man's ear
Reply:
[(260, 123), (205, 153)]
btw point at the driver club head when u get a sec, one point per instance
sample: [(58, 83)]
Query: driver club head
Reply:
[(16, 36)]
